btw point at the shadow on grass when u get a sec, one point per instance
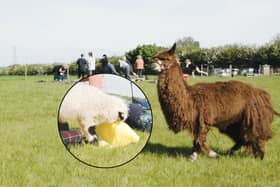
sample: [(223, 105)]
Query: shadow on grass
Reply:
[(160, 149)]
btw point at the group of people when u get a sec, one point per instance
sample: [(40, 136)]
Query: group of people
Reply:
[(127, 69), (88, 66)]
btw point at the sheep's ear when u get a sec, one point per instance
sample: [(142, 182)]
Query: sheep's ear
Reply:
[(172, 49)]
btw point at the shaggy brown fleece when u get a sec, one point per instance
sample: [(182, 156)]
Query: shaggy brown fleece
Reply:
[(237, 109)]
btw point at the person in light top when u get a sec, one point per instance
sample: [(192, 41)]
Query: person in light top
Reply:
[(125, 67), (139, 66), (91, 63)]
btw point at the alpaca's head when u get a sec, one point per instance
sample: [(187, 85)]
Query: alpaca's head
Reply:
[(165, 59)]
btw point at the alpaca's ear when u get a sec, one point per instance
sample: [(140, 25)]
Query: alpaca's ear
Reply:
[(172, 49)]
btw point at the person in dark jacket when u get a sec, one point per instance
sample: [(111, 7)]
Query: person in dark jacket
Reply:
[(60, 72), (189, 69), (82, 66), (107, 67)]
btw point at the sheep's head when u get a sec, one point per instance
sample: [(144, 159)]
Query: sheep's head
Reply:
[(165, 59), (122, 116), (122, 111)]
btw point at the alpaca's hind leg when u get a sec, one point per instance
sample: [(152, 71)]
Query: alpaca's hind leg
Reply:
[(259, 149), (234, 131), (248, 149), (234, 148)]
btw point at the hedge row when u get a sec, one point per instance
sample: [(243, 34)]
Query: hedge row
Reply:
[(239, 56)]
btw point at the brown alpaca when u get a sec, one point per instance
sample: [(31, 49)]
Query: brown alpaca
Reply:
[(242, 112)]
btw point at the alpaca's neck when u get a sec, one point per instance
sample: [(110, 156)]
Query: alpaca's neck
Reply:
[(172, 77), (175, 99)]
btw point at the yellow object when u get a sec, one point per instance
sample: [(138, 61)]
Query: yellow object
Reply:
[(117, 133)]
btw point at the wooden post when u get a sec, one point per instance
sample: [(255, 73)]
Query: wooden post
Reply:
[(68, 66), (25, 72)]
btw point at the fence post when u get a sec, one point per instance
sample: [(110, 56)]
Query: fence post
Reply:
[(25, 72), (68, 72)]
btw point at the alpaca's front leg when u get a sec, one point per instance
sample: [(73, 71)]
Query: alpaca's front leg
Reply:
[(195, 150), (199, 143)]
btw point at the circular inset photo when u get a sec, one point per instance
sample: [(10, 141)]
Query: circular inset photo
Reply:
[(105, 120)]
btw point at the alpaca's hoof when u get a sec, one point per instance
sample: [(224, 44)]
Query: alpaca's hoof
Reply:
[(228, 153), (212, 154), (193, 156)]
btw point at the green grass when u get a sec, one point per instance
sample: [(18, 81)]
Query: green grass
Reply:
[(109, 156), (31, 152)]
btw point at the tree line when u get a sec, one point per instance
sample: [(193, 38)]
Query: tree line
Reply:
[(238, 55)]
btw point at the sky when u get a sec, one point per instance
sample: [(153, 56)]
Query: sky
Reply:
[(40, 31)]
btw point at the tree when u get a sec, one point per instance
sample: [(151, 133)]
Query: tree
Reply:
[(187, 42), (147, 52)]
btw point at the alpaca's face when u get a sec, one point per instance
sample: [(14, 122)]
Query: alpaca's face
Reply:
[(164, 59), (156, 66)]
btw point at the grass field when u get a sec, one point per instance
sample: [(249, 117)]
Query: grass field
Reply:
[(32, 154), (109, 155)]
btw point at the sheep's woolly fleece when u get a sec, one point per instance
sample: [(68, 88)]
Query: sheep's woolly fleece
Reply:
[(89, 106)]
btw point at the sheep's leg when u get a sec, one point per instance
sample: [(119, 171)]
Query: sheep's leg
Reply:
[(91, 131), (87, 129), (63, 126)]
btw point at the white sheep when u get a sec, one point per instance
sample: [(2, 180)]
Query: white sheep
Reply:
[(89, 106)]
